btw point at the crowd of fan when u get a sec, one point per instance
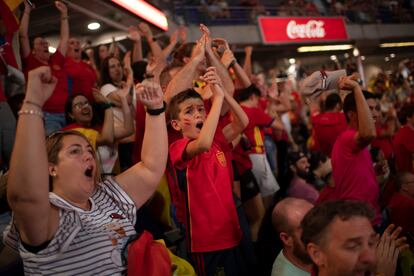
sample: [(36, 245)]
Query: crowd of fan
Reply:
[(359, 12), (257, 176)]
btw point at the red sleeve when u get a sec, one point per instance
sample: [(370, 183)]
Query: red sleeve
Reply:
[(177, 151), (57, 59), (260, 118)]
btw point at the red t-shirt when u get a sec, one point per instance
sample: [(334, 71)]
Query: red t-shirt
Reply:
[(402, 211), (212, 222), (404, 149), (6, 41), (83, 77), (241, 159), (385, 144), (258, 121), (353, 173), (56, 102), (326, 128)]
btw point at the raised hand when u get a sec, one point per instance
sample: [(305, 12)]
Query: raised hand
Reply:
[(200, 49), (347, 83), (98, 97), (206, 32), (145, 30), (149, 92), (61, 7), (248, 50), (40, 85), (27, 7), (212, 79), (133, 33), (174, 36), (388, 249)]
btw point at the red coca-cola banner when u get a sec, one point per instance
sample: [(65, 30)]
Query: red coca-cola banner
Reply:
[(301, 29)]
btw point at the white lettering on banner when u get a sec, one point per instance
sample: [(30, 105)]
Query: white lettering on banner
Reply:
[(312, 29)]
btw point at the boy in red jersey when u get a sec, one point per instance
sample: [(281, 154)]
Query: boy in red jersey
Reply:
[(212, 226)]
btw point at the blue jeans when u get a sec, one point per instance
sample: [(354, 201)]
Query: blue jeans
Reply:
[(54, 122), (271, 152)]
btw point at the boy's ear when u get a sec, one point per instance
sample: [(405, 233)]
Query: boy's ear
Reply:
[(175, 125)]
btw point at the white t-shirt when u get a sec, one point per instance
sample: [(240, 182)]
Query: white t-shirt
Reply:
[(86, 242)]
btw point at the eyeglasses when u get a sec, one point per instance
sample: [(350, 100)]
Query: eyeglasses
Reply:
[(81, 105)]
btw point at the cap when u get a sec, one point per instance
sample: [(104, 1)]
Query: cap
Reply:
[(294, 156), (320, 81)]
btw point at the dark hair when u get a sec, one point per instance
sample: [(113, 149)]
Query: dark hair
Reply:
[(316, 157), (401, 179), (105, 77), (54, 146), (242, 95), (350, 103), (183, 51), (173, 107), (69, 109), (332, 100), (317, 220), (405, 112), (374, 151)]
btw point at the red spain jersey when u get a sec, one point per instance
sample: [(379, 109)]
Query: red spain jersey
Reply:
[(83, 77), (212, 223), (404, 149), (258, 121), (56, 102)]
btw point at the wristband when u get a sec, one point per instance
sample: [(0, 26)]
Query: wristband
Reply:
[(155, 112), (30, 112), (232, 63), (64, 17), (107, 105)]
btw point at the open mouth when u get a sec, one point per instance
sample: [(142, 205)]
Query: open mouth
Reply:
[(89, 171), (76, 50), (199, 125)]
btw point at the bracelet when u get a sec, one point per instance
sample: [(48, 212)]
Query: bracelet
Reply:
[(232, 63), (32, 103), (107, 105), (64, 17), (30, 112), (155, 112)]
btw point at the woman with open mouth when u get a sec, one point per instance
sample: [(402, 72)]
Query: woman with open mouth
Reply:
[(64, 221)]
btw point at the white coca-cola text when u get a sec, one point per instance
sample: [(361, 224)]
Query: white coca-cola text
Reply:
[(312, 29)]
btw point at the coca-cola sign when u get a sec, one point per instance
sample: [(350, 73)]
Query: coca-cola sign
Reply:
[(301, 29)]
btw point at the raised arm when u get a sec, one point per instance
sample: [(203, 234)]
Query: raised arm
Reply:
[(205, 139), (133, 34), (64, 27), (247, 66), (28, 184), (184, 78), (366, 128), (216, 62), (106, 136), (24, 30), (141, 180), (147, 33), (128, 127), (173, 42)]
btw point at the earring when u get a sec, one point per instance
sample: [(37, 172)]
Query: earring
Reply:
[(54, 174)]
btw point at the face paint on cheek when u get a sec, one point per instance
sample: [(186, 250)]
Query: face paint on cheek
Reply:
[(187, 122)]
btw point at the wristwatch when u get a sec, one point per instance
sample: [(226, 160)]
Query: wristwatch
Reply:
[(155, 112)]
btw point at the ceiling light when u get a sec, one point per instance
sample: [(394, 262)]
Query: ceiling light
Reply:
[(145, 11), (346, 55), (333, 57), (392, 55), (94, 26), (292, 61), (362, 57), (387, 59), (322, 48), (355, 52), (52, 49), (396, 44)]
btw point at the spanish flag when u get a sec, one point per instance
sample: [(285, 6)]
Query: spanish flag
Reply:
[(12, 4)]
